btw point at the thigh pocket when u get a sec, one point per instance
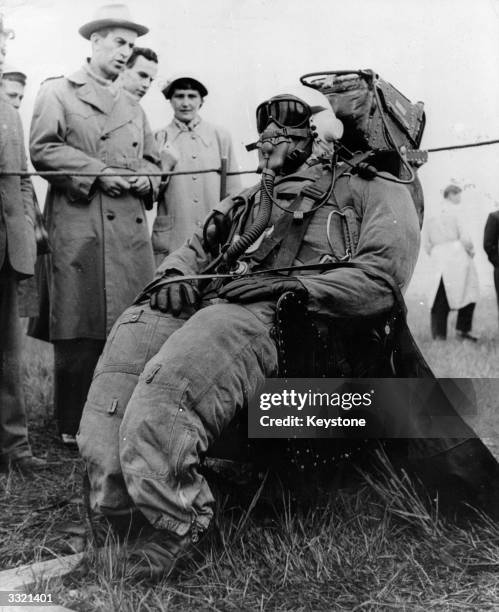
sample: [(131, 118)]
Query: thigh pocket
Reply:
[(127, 346)]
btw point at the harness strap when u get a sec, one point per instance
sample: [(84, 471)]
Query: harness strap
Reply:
[(296, 229), (290, 229)]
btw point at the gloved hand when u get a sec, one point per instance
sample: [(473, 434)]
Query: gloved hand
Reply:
[(175, 297), (256, 288)]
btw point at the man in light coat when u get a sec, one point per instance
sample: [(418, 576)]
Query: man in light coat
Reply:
[(17, 258), (101, 250), (189, 142), (454, 285)]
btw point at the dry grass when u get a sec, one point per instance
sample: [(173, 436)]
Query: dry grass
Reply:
[(371, 546), (454, 358)]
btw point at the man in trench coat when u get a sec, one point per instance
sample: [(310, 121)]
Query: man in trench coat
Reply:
[(101, 249)]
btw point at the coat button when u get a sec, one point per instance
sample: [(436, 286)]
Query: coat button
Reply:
[(195, 200), (194, 156), (110, 216), (139, 220)]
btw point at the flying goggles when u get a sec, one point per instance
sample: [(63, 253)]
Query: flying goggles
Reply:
[(288, 113)]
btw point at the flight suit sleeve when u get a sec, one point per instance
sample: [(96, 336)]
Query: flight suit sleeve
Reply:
[(491, 240), (388, 242), (191, 258), (49, 150)]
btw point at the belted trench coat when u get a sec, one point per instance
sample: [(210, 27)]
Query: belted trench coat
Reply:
[(101, 249)]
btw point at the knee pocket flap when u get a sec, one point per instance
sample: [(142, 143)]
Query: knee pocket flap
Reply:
[(128, 343), (98, 435)]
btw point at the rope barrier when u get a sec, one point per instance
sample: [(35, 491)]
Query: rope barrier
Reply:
[(55, 173), (221, 171), (463, 146)]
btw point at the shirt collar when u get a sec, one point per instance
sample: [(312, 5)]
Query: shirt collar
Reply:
[(187, 127), (111, 85)]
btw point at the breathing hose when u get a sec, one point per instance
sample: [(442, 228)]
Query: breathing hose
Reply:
[(261, 222)]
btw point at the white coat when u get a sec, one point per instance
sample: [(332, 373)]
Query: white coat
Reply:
[(451, 251)]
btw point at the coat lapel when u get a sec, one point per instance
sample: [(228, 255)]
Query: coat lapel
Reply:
[(87, 93), (124, 110)]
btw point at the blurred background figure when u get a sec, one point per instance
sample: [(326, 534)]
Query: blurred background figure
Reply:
[(491, 244), (454, 285), (17, 258), (13, 85), (189, 142), (141, 70)]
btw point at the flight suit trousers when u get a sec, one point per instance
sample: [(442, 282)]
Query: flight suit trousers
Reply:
[(13, 426), (163, 391)]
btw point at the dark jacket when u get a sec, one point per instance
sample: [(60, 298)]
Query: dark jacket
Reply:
[(491, 238)]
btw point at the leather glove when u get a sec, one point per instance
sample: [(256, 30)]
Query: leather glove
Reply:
[(175, 297), (254, 289)]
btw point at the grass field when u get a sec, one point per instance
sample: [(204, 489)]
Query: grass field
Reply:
[(370, 544)]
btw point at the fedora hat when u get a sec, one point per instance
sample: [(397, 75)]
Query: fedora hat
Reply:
[(112, 16), (169, 86)]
